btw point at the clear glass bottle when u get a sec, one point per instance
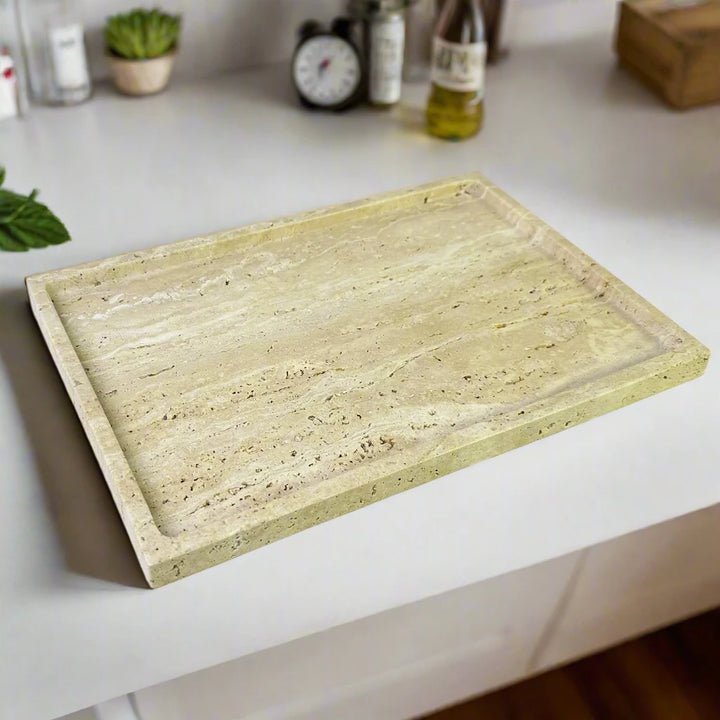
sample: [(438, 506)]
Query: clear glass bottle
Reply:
[(14, 89), (57, 60), (455, 108)]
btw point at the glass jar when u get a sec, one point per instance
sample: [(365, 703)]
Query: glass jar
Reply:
[(57, 61), (384, 40), (13, 91)]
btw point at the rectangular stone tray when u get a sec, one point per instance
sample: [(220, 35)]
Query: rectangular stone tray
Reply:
[(242, 386)]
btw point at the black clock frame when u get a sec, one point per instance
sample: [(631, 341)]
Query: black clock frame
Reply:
[(341, 28)]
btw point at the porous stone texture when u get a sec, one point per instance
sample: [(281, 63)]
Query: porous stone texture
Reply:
[(242, 386)]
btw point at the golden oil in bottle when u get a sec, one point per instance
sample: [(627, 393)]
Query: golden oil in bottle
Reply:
[(455, 107)]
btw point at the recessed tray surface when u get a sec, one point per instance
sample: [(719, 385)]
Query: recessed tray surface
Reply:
[(242, 386)]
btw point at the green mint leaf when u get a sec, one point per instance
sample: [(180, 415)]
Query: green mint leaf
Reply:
[(37, 222), (10, 244), (26, 223)]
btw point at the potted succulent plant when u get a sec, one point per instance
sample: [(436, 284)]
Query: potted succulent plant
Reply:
[(141, 47)]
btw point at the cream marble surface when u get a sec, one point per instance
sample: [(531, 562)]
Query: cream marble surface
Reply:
[(246, 385), (570, 136)]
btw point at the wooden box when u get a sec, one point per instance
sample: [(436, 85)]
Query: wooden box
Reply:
[(674, 47)]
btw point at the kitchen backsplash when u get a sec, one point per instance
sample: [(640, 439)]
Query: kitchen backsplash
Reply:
[(537, 22), (217, 34), (230, 34)]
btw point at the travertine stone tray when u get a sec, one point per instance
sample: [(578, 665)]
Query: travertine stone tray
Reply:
[(239, 387)]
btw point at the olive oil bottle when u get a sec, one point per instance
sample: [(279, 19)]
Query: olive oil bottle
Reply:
[(455, 107)]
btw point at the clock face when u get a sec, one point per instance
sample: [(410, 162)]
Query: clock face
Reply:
[(326, 70)]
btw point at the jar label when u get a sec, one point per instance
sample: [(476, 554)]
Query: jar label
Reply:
[(387, 41), (459, 66), (67, 49)]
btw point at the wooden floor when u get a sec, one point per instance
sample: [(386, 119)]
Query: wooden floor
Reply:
[(673, 674)]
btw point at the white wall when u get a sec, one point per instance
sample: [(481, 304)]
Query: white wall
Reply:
[(222, 35), (218, 35), (533, 22)]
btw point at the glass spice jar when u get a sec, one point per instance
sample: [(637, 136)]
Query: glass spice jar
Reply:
[(384, 42), (57, 61)]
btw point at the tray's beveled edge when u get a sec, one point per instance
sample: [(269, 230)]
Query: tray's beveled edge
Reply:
[(164, 559)]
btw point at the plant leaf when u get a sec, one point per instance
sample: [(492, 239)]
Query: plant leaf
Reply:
[(38, 223), (26, 223), (20, 203), (141, 34), (8, 243)]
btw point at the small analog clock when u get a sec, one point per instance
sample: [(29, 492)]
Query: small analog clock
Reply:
[(327, 68)]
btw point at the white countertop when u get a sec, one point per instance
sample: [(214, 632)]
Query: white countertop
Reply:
[(569, 135)]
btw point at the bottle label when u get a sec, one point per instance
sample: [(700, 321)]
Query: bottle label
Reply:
[(67, 49), (459, 66), (387, 41)]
